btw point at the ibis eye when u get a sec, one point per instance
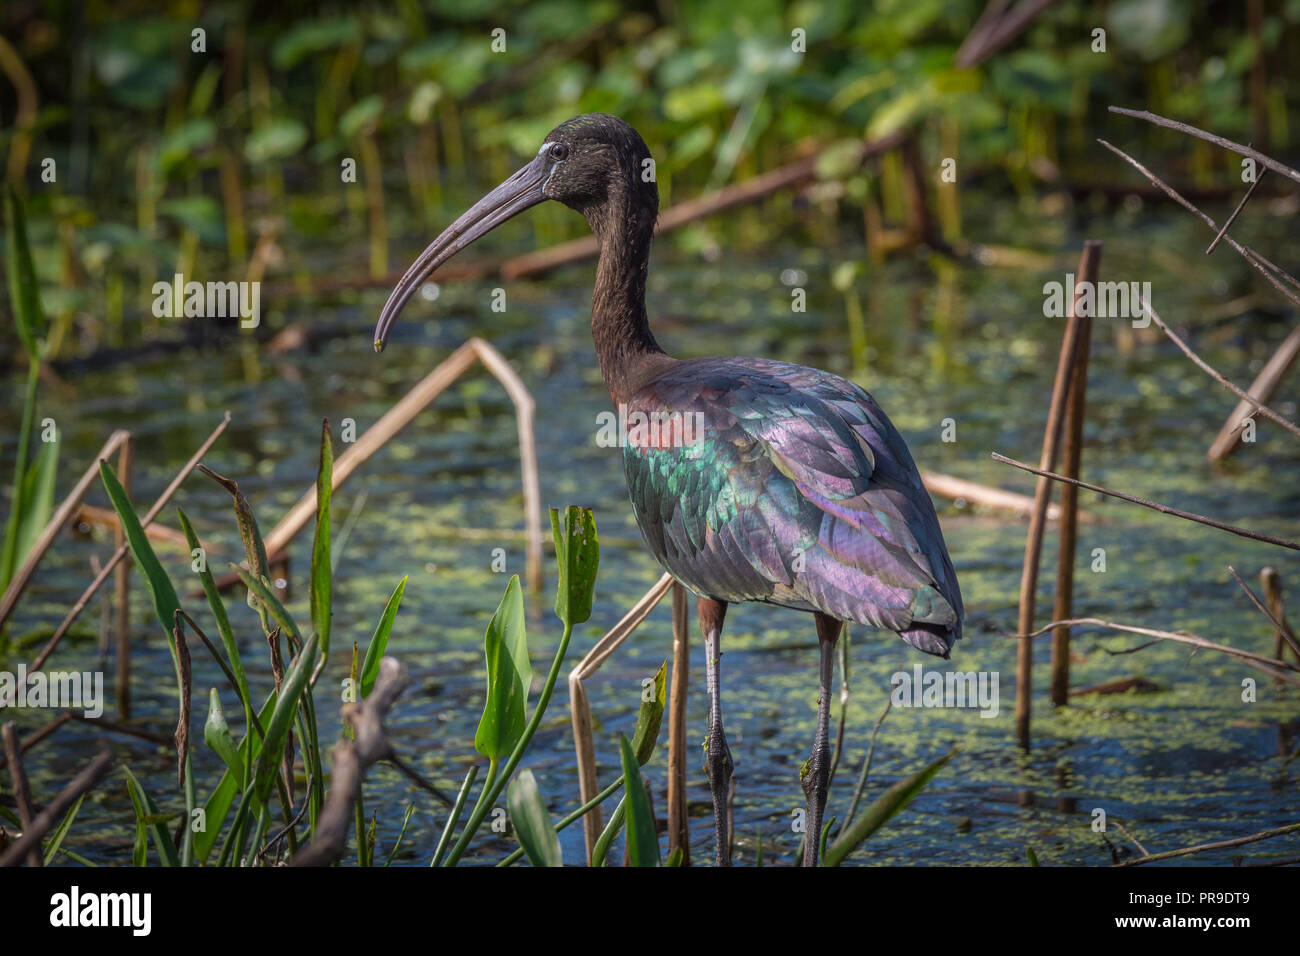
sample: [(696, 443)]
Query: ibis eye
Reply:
[(559, 151)]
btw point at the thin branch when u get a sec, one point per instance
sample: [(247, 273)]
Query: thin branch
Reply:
[(1270, 666), (1277, 625), (1228, 144), (1237, 212), (54, 811), (121, 552), (416, 778), (1266, 268), (1218, 845), (1153, 505), (1205, 367)]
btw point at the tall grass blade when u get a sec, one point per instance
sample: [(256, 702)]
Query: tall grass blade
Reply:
[(379, 640), (320, 546), (881, 810), (295, 682), (148, 817)]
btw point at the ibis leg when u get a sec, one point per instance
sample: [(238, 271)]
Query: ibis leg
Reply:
[(718, 754), (816, 774)]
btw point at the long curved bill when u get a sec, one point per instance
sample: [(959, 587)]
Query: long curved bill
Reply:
[(519, 192)]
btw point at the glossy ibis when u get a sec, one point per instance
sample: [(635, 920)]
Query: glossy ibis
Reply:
[(798, 491)]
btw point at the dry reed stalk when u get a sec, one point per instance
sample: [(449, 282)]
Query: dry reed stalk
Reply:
[(1037, 519), (22, 792), (120, 553), (583, 736), (401, 414), (1261, 390), (679, 834), (39, 735), (62, 515), (107, 518), (54, 811), (1285, 634), (1075, 410), (952, 487)]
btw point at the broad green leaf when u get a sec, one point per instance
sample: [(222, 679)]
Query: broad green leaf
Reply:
[(533, 825), (650, 717), (320, 545), (216, 732), (577, 551), (1031, 856), (24, 290), (881, 810), (379, 641), (509, 675), (642, 840), (295, 681), (147, 815)]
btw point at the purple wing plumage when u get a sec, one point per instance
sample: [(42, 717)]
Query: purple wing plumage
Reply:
[(797, 491)]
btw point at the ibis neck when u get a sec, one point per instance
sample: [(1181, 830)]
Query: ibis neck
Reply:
[(625, 347)]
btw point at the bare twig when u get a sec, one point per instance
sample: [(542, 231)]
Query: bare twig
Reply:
[(22, 793), (1277, 625), (418, 779), (1153, 505), (1261, 390), (39, 735), (401, 414), (54, 811), (1218, 845), (1266, 268), (121, 552), (1208, 370), (1272, 584), (866, 766), (1132, 839), (952, 487), (1228, 144), (1280, 669), (1237, 212), (56, 523), (352, 758)]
